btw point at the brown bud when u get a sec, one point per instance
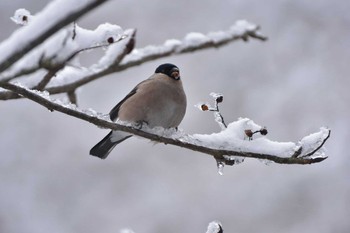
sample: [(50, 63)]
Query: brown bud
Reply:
[(248, 132), (130, 46), (204, 107), (263, 131), (110, 40)]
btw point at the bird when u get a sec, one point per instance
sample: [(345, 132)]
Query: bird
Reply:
[(159, 101)]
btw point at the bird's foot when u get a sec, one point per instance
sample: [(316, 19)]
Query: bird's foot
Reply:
[(140, 124)]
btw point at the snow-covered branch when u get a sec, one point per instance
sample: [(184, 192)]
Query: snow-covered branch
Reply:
[(119, 56), (58, 51), (228, 146), (55, 16), (192, 42)]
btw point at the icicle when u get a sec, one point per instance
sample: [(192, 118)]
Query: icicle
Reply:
[(220, 168)]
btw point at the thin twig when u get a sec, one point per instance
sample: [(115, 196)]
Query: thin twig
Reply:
[(72, 96), (46, 79), (297, 152), (221, 117), (256, 35), (74, 30), (9, 95), (319, 147)]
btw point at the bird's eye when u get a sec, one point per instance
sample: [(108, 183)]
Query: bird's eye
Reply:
[(175, 75)]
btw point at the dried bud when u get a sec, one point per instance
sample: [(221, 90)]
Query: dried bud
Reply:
[(249, 133), (219, 99), (110, 40), (204, 107), (130, 46), (22, 17), (263, 131)]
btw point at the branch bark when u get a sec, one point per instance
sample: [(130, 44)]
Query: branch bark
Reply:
[(217, 153)]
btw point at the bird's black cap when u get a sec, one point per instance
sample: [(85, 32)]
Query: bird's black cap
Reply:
[(166, 69)]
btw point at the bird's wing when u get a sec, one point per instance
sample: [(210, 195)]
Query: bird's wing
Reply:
[(113, 114)]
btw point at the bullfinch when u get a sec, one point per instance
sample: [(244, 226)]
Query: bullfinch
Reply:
[(159, 100)]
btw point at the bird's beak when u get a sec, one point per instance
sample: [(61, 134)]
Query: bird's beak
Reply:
[(175, 75)]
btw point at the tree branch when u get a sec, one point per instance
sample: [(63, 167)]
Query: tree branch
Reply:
[(124, 59), (61, 19), (9, 95), (46, 79), (185, 141), (72, 96), (128, 46), (171, 47)]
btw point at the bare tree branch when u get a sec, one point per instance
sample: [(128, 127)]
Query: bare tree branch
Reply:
[(317, 148), (46, 79), (72, 96), (61, 19), (217, 153), (9, 95)]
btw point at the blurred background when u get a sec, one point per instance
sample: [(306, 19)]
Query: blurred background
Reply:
[(293, 84)]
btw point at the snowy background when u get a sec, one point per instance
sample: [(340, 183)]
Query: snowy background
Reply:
[(294, 83)]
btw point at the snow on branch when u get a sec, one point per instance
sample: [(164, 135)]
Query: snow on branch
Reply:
[(119, 56), (56, 15), (58, 50), (192, 42), (228, 146)]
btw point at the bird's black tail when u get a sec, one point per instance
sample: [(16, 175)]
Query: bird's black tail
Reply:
[(106, 145)]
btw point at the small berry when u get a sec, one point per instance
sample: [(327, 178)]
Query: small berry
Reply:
[(110, 40), (263, 131), (219, 99), (249, 133), (204, 107)]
